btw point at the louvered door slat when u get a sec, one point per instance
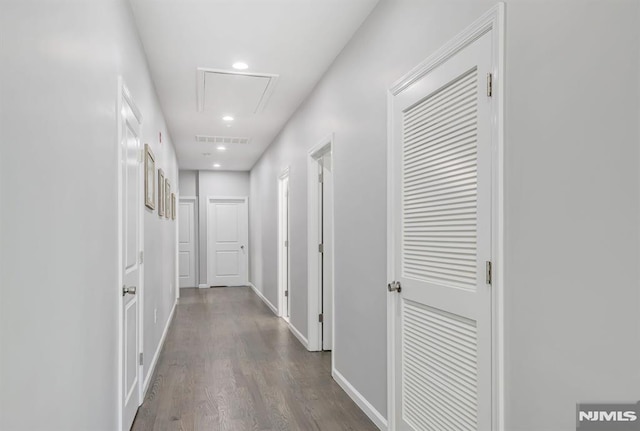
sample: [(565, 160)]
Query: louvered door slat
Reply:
[(440, 181), (454, 397)]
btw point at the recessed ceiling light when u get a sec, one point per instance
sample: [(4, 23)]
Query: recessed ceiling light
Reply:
[(216, 165), (221, 148), (240, 65), (227, 118)]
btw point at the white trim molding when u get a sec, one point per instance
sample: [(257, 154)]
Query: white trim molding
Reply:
[(264, 298), (203, 286), (293, 329), (493, 20), (298, 335), (371, 412), (156, 356)]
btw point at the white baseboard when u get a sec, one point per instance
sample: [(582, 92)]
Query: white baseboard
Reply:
[(357, 397), (299, 335), (264, 299), (154, 361), (203, 286)]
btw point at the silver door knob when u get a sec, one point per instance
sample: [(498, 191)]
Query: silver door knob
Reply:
[(130, 290), (394, 286)]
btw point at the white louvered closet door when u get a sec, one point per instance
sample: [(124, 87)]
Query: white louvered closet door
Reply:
[(442, 239)]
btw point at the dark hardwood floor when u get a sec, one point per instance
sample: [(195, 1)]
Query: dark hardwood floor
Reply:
[(229, 364)]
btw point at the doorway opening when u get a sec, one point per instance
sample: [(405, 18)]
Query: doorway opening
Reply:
[(320, 242), (283, 246)]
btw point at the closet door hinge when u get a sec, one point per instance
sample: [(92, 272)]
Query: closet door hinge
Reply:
[(489, 84), (320, 248), (488, 272), (142, 257), (320, 318), (141, 358)]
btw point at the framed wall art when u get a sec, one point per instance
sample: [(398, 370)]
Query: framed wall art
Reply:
[(161, 201), (167, 197), (149, 178)]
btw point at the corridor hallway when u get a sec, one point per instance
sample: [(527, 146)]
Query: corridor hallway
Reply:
[(229, 364)]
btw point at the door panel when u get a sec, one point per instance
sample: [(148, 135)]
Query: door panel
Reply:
[(184, 261), (131, 348), (131, 207), (187, 243), (442, 229), (226, 222), (228, 233), (227, 263)]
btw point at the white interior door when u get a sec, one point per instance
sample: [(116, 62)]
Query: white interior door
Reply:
[(283, 246), (228, 233), (130, 207), (327, 255), (441, 230), (187, 242)]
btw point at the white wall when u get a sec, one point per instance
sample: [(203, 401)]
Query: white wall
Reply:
[(572, 209), (216, 183), (58, 165), (160, 241), (572, 195), (188, 183)]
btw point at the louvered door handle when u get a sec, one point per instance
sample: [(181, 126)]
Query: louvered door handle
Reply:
[(394, 286)]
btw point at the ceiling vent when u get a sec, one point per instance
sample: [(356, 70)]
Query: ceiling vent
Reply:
[(227, 92), (229, 140)]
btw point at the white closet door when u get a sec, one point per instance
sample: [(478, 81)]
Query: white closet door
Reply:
[(187, 243), (442, 236), (228, 234), (131, 265)]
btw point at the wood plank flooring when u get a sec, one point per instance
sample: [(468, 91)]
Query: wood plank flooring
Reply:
[(229, 364)]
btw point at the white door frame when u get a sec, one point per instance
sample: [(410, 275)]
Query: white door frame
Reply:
[(284, 256), (314, 274), (124, 96), (196, 239), (493, 20), (225, 198)]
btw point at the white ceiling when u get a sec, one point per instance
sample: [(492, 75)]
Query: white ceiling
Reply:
[(295, 39)]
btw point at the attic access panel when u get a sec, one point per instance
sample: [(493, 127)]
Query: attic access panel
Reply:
[(237, 93)]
